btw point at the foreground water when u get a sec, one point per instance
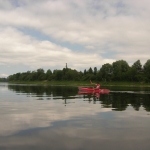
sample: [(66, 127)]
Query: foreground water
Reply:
[(58, 118)]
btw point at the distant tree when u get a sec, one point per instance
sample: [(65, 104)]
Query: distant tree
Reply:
[(99, 75), (34, 76), (49, 75), (106, 72), (3, 79), (85, 72), (58, 75), (120, 69), (117, 71), (137, 65), (80, 75), (135, 72), (41, 74), (28, 76), (65, 70), (132, 72), (147, 70), (95, 70), (72, 75), (90, 71)]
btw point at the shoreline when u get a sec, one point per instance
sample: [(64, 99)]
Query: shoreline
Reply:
[(82, 83)]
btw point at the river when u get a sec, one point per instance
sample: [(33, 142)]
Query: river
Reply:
[(59, 118)]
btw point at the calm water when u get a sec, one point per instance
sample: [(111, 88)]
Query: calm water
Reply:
[(36, 117)]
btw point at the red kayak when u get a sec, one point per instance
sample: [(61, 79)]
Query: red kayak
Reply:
[(89, 90)]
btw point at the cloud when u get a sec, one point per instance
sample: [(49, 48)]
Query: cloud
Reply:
[(4, 75), (101, 27), (22, 49)]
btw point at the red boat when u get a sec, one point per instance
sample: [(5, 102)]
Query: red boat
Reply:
[(84, 90)]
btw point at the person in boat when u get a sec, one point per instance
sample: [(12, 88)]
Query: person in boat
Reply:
[(96, 84)]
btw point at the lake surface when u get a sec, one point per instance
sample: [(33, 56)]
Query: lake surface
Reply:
[(35, 117)]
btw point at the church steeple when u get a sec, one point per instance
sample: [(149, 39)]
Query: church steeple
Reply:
[(66, 65)]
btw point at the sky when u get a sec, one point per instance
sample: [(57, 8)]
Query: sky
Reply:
[(82, 33)]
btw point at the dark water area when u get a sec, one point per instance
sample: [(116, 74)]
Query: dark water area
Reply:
[(59, 118)]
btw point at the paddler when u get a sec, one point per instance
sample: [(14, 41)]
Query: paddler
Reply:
[(96, 84)]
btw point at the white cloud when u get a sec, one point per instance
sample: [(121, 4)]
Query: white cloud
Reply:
[(113, 26), (22, 49), (4, 75)]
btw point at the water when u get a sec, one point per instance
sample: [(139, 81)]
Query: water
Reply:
[(58, 118)]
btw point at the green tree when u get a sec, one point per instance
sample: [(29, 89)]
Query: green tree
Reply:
[(49, 75), (120, 69), (90, 71), (132, 72), (137, 65), (85, 72), (3, 79), (58, 75), (147, 70), (41, 74), (106, 72), (72, 75), (135, 72), (95, 70), (65, 70)]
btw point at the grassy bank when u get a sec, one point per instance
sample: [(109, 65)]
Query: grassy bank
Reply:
[(79, 83), (84, 83), (130, 84)]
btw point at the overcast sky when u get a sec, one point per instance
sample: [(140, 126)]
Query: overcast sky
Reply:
[(82, 33)]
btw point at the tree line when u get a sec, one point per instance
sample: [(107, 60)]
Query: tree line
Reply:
[(3, 79), (117, 71)]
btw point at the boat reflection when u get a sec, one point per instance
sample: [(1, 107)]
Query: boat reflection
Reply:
[(93, 94), (90, 96)]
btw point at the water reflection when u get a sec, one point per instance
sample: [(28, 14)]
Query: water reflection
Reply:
[(56, 117), (120, 101), (45, 91), (117, 100)]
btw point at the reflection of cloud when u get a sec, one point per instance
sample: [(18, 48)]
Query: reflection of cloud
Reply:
[(30, 114), (27, 123), (3, 87), (70, 136)]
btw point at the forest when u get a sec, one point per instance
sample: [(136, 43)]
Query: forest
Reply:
[(117, 71), (3, 79)]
